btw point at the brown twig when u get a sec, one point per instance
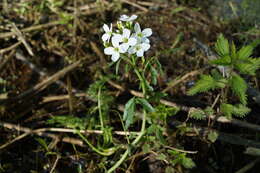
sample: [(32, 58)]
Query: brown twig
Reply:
[(29, 29), (176, 82), (21, 38), (43, 132), (135, 5)]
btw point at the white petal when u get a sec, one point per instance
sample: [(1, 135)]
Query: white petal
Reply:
[(105, 37), (131, 50), (133, 17), (145, 46), (126, 33), (132, 41), (106, 28), (116, 39), (123, 17), (147, 32), (145, 40), (123, 47), (115, 56), (109, 50), (137, 28), (140, 53)]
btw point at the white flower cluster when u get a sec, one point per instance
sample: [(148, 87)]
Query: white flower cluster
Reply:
[(128, 38)]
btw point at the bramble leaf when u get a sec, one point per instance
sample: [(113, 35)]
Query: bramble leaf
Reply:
[(222, 46), (237, 110), (239, 87), (245, 52), (207, 83), (249, 67)]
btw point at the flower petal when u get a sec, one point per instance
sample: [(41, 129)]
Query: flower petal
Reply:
[(140, 53), (126, 33), (106, 28), (109, 50), (105, 37), (123, 47), (145, 46), (132, 50), (123, 17), (145, 40), (147, 32), (137, 28), (115, 56), (132, 41), (116, 39), (133, 17)]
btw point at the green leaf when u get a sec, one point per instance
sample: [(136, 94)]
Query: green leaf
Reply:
[(249, 67), (245, 52), (154, 75), (237, 110), (239, 87), (188, 163), (197, 114), (212, 136), (117, 65), (43, 143), (129, 112), (146, 105), (206, 83), (241, 110), (225, 60), (222, 46)]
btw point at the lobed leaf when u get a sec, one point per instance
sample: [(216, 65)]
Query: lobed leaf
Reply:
[(146, 105), (129, 112)]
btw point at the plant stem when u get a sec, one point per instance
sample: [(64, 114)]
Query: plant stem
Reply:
[(99, 109), (142, 131)]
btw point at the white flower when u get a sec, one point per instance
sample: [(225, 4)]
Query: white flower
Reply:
[(127, 40), (108, 32), (139, 49), (142, 35), (126, 18), (116, 49)]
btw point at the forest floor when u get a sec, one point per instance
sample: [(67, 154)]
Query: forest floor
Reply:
[(51, 63)]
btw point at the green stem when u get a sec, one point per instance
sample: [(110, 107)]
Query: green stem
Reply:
[(142, 131), (107, 153), (119, 162), (99, 109)]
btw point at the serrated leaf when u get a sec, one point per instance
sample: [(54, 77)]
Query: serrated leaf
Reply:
[(249, 67), (237, 110), (233, 51), (222, 46), (197, 114), (225, 60), (245, 52), (146, 105), (239, 87), (206, 83), (129, 112), (212, 136), (227, 110), (188, 163), (241, 110)]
